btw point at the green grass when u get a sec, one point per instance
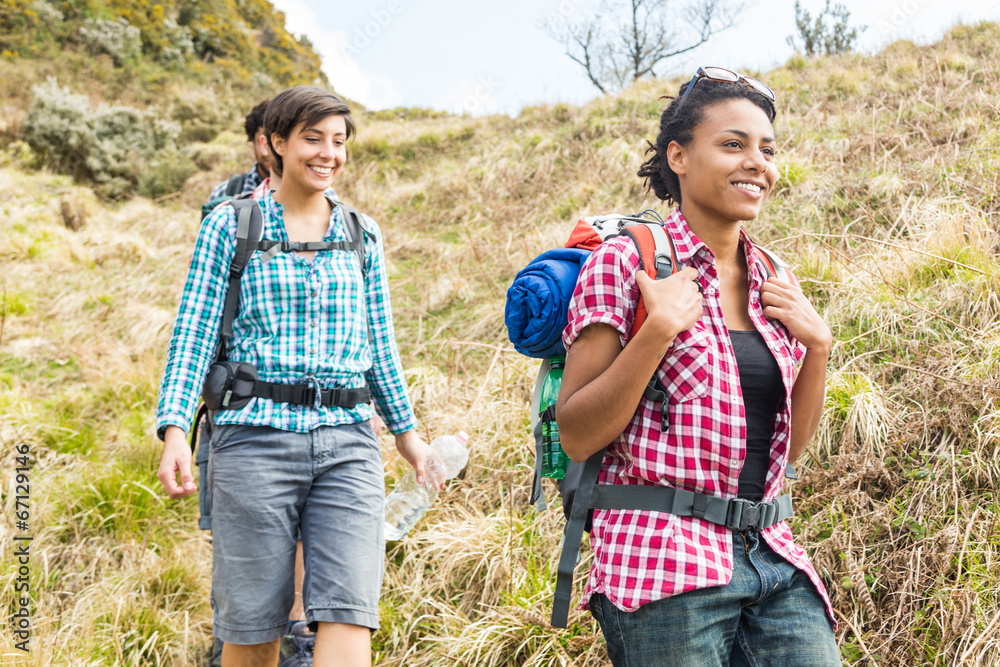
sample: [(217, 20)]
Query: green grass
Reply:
[(121, 501)]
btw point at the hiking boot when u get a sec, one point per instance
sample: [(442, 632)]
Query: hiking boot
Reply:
[(216, 660), (297, 646)]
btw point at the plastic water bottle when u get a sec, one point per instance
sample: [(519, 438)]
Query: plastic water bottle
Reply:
[(409, 500), (554, 459)]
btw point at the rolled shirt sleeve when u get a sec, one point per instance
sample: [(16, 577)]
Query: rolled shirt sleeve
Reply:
[(196, 330)]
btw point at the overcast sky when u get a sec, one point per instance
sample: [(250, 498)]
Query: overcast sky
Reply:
[(488, 57)]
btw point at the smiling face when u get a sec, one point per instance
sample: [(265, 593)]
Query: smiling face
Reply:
[(727, 169), (313, 156)]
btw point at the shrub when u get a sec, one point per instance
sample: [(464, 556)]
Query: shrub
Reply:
[(829, 32), (200, 115), (17, 20), (116, 37), (126, 140), (166, 174), (47, 13), (111, 146), (176, 44), (56, 130)]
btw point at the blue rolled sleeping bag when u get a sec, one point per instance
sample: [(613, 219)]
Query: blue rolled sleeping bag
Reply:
[(538, 302)]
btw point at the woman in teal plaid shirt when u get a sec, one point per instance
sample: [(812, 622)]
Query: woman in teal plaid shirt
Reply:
[(305, 317)]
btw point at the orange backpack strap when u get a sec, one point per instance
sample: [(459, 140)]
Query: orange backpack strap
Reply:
[(657, 257)]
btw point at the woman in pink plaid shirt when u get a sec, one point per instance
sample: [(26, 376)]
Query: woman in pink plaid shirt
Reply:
[(743, 358)]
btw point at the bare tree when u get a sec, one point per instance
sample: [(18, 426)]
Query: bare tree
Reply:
[(829, 32), (624, 40)]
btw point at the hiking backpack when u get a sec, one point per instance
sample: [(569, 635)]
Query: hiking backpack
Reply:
[(239, 381), (526, 317), (234, 188)]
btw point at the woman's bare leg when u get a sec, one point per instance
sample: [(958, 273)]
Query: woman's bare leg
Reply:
[(298, 612), (255, 655), (343, 645)]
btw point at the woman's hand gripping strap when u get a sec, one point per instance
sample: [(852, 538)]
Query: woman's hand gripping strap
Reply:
[(658, 258)]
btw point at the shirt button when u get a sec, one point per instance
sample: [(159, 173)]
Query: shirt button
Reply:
[(314, 322), (312, 350), (312, 293)]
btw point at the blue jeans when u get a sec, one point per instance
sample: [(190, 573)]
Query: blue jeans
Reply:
[(768, 614)]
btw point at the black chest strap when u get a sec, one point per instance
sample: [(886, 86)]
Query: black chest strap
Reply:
[(272, 248)]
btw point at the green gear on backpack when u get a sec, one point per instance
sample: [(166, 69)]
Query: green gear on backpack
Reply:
[(554, 459), (234, 187)]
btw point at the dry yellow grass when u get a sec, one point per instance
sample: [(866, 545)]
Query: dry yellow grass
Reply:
[(889, 210)]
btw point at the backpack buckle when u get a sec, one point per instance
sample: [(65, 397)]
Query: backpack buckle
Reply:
[(743, 515), (664, 264)]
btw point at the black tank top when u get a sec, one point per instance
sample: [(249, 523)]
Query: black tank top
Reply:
[(763, 394)]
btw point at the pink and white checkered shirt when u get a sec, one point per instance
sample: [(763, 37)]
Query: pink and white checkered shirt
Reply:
[(258, 192), (642, 556)]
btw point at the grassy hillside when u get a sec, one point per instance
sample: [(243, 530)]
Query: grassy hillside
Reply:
[(121, 94), (889, 210)]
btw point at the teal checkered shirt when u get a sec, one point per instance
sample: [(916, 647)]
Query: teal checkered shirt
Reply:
[(298, 321)]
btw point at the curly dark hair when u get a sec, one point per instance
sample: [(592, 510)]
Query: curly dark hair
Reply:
[(302, 104), (679, 127), (255, 119)]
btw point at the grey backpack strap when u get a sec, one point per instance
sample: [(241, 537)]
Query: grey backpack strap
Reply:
[(249, 229), (571, 541), (357, 233), (272, 248), (734, 513), (537, 494)]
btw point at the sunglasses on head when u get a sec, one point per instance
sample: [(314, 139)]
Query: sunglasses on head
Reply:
[(726, 76)]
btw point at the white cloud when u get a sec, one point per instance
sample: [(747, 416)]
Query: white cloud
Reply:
[(335, 47)]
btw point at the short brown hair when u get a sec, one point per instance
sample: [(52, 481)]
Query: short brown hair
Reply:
[(255, 119), (302, 104)]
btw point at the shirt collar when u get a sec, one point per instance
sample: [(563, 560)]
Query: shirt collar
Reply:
[(271, 207), (254, 176), (755, 265), (691, 249), (686, 243)]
